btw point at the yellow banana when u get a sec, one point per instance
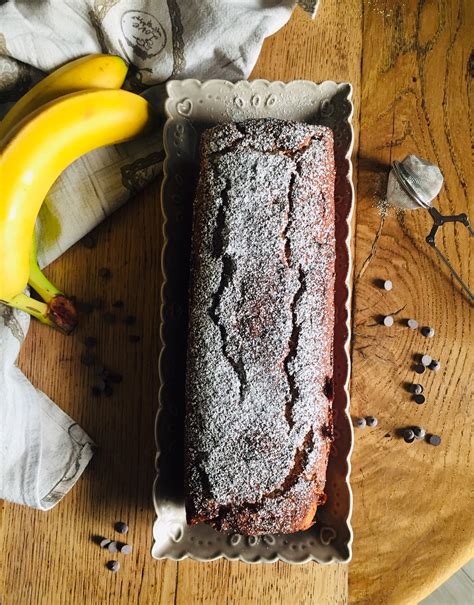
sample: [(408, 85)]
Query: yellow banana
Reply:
[(35, 154), (89, 72), (92, 71)]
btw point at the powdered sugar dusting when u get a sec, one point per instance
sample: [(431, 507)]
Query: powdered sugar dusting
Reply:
[(261, 326)]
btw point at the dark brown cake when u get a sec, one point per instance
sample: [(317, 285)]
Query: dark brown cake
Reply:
[(259, 375)]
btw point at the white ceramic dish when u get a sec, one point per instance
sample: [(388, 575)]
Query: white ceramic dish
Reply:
[(191, 107)]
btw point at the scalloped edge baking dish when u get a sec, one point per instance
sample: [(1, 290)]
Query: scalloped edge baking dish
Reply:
[(190, 107)]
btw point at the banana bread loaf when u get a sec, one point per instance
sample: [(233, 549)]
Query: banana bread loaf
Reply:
[(259, 368)]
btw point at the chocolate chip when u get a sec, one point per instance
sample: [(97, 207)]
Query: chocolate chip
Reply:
[(112, 547), (113, 565), (84, 307), (419, 399), (426, 360), (434, 365), (121, 527), (104, 543), (90, 341), (125, 549), (388, 321), (108, 390), (95, 390), (88, 359), (118, 304), (97, 303), (427, 331), (109, 318), (88, 242), (134, 338), (434, 439), (371, 421), (105, 272), (130, 320), (360, 423), (419, 368), (419, 432), (101, 385), (408, 435), (387, 285), (105, 373), (412, 323), (417, 389), (99, 370), (115, 377)]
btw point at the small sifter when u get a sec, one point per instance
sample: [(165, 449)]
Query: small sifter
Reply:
[(414, 183)]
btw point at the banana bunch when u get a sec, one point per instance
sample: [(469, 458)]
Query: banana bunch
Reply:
[(74, 110)]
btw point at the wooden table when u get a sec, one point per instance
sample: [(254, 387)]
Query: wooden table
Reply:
[(412, 74)]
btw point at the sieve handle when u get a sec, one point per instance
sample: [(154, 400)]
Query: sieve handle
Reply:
[(438, 221)]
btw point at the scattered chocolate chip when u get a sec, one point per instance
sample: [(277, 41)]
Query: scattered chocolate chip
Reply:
[(105, 272), (412, 323), (95, 390), (115, 377), (426, 360), (109, 318), (419, 368), (134, 338), (130, 320), (388, 321), (371, 421), (387, 285), (360, 423), (121, 527), (97, 539), (408, 435), (88, 242), (427, 331), (434, 365), (113, 565), (88, 359), (419, 432), (84, 307), (97, 303), (417, 389), (101, 385), (118, 304), (99, 370), (104, 543), (112, 547), (419, 399), (108, 390), (125, 549), (434, 439), (90, 341)]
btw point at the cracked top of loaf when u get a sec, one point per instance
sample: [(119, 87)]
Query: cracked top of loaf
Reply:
[(259, 370)]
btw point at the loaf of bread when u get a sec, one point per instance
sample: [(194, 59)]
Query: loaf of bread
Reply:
[(259, 367)]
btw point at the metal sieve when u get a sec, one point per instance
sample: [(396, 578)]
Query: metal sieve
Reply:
[(411, 190)]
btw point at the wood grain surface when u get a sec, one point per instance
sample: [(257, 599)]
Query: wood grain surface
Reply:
[(409, 63), (413, 504)]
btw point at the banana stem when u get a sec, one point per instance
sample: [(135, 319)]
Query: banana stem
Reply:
[(36, 308), (57, 309), (38, 280)]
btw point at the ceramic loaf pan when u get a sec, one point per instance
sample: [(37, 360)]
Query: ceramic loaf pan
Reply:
[(191, 107)]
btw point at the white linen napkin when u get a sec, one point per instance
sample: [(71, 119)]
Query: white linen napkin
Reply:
[(43, 451)]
